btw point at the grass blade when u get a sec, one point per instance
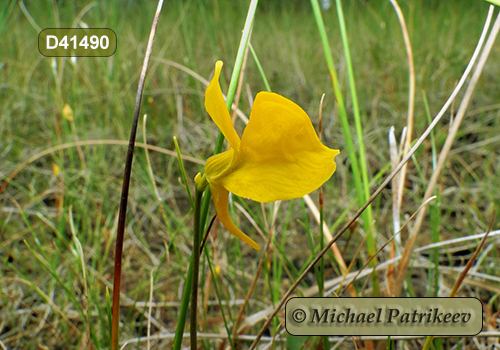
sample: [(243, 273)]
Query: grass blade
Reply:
[(183, 172), (361, 189)]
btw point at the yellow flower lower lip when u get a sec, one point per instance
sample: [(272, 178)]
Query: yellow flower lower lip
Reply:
[(279, 156), (221, 198)]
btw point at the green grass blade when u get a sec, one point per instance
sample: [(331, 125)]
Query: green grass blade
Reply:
[(70, 293), (360, 180), (183, 172), (217, 292), (6, 11), (340, 101), (259, 67), (357, 118), (435, 215), (109, 312), (433, 138)]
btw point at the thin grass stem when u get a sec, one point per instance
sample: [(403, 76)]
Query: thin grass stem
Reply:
[(125, 188), (321, 277), (219, 299), (150, 171), (463, 274), (411, 96), (259, 67), (357, 177), (357, 122), (403, 265), (183, 171)]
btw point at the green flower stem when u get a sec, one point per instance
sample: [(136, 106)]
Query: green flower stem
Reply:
[(191, 290), (201, 211), (181, 321), (195, 258)]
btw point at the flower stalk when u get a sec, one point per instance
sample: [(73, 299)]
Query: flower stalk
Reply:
[(191, 287), (196, 259), (218, 147)]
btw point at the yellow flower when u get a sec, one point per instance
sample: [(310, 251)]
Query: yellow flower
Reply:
[(67, 112), (279, 156), (56, 169)]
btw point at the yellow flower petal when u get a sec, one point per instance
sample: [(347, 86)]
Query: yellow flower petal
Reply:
[(218, 165), (217, 109), (280, 156), (220, 197)]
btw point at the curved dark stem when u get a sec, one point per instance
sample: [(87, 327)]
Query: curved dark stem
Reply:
[(125, 187), (207, 233)]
